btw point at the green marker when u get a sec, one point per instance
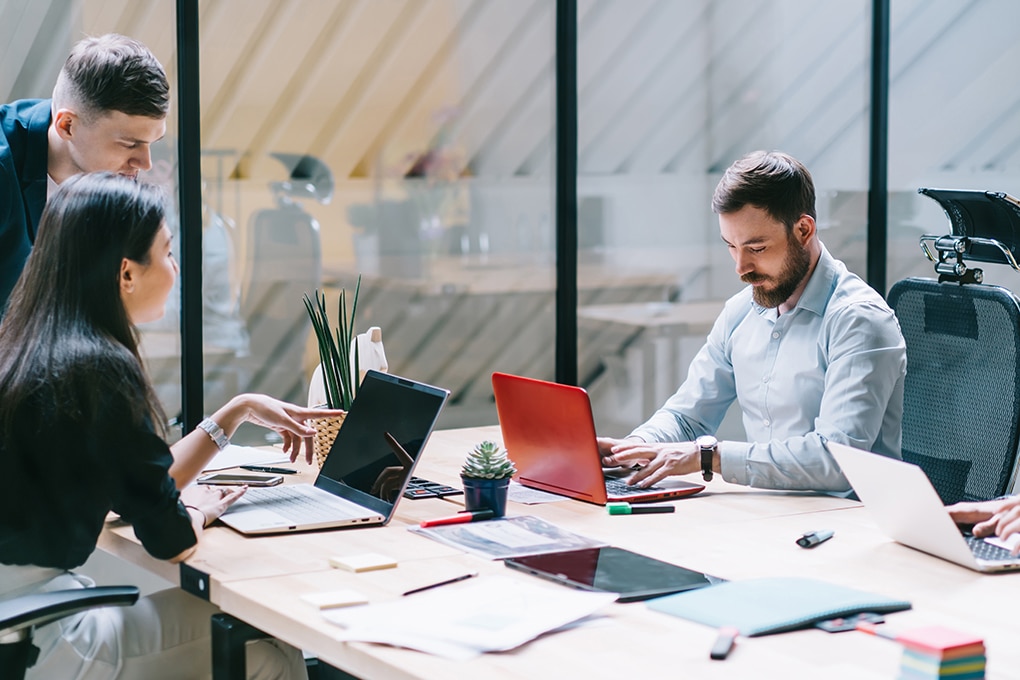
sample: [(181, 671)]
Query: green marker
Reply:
[(628, 509)]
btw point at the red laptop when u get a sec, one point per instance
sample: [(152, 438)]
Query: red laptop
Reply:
[(549, 432)]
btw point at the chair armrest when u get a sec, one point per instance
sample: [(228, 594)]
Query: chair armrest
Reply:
[(30, 611)]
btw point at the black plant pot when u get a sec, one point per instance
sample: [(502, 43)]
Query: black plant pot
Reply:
[(485, 494)]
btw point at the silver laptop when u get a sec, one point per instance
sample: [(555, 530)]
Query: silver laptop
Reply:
[(907, 508), (366, 470)]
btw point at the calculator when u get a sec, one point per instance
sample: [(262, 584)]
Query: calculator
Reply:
[(423, 488)]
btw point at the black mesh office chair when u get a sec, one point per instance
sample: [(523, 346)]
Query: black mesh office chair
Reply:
[(21, 615), (962, 390)]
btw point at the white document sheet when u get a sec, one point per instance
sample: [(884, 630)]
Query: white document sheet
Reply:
[(462, 620), (234, 455)]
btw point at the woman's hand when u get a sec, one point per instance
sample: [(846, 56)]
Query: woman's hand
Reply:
[(1000, 517), (287, 420), (211, 500)]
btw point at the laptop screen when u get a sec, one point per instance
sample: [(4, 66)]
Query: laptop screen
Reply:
[(380, 440)]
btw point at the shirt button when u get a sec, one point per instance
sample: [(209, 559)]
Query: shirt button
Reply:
[(765, 422), (776, 335), (765, 379)]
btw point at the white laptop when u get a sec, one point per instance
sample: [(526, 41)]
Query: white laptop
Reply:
[(366, 470), (907, 508)]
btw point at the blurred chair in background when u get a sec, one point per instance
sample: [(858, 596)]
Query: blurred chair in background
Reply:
[(284, 262)]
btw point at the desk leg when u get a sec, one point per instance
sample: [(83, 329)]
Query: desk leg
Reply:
[(229, 636)]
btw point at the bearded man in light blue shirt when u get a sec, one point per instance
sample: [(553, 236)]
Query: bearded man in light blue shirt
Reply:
[(809, 351)]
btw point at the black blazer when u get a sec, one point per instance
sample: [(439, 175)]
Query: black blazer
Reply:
[(23, 158)]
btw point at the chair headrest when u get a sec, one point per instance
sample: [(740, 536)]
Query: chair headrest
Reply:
[(989, 221)]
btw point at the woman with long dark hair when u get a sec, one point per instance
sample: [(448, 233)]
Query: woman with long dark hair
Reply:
[(80, 436)]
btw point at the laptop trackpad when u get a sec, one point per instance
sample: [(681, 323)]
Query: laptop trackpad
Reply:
[(251, 517)]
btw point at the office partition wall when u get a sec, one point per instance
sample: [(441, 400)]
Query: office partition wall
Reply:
[(413, 143), (407, 144), (670, 93), (36, 36), (954, 118)]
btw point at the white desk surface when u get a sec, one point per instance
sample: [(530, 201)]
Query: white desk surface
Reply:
[(729, 531)]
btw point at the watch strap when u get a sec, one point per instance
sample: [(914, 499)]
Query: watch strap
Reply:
[(215, 432), (707, 454)]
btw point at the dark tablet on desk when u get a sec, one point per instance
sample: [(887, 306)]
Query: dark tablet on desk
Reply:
[(615, 570)]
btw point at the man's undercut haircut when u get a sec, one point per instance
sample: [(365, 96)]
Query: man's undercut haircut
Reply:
[(112, 73), (770, 180)]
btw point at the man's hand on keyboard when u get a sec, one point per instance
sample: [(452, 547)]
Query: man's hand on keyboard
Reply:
[(658, 461)]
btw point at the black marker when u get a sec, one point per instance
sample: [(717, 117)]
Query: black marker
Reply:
[(724, 643), (265, 468), (813, 538)]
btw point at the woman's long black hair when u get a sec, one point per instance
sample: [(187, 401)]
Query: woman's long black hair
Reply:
[(66, 339)]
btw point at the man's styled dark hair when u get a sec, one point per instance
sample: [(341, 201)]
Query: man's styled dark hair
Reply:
[(771, 180), (112, 73)]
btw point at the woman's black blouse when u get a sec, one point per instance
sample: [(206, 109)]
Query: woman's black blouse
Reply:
[(61, 477)]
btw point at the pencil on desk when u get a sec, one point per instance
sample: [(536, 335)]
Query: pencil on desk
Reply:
[(448, 581)]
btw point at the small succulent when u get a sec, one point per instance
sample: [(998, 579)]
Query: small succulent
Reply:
[(488, 461)]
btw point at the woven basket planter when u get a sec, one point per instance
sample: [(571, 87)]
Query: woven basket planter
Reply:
[(325, 433)]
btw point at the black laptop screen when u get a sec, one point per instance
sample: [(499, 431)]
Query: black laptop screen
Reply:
[(390, 416)]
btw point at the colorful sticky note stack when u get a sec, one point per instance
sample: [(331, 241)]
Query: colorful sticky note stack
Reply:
[(939, 653)]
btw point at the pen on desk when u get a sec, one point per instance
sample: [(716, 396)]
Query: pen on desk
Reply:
[(628, 509), (266, 468), (448, 581), (724, 643), (872, 629), (459, 518), (813, 538)]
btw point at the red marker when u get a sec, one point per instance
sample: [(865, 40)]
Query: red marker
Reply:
[(459, 518)]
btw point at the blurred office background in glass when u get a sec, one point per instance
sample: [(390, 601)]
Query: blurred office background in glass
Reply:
[(411, 142)]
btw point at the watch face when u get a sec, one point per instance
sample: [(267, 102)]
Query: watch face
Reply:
[(706, 441)]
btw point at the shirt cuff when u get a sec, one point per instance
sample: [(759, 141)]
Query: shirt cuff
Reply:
[(733, 461)]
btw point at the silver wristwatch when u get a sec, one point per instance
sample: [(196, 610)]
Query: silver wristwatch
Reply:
[(215, 433)]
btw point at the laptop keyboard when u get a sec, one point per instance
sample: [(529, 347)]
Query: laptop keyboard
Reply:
[(984, 550), (618, 487), (300, 504)]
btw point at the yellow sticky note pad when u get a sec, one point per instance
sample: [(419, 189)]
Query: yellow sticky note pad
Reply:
[(362, 562), (335, 598)]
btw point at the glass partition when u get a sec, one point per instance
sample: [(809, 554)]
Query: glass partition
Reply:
[(670, 93), (404, 143), (954, 119), (37, 37)]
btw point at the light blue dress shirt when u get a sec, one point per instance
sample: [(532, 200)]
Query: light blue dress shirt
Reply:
[(832, 368)]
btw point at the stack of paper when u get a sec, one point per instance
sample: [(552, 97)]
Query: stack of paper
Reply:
[(941, 654), (460, 621), (235, 455)]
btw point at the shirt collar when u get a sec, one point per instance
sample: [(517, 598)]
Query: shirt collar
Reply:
[(816, 293)]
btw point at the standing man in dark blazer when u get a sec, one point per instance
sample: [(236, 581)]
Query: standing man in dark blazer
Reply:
[(109, 106)]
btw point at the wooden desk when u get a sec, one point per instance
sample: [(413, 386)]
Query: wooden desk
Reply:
[(732, 532)]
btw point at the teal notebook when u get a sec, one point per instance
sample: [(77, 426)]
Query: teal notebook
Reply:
[(772, 605)]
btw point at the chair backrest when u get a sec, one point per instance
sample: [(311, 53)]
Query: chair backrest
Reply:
[(284, 262), (962, 390), (21, 615)]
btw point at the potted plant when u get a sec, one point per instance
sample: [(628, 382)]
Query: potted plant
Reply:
[(486, 478), (338, 360)]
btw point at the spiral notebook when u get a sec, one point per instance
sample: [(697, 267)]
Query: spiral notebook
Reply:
[(772, 605)]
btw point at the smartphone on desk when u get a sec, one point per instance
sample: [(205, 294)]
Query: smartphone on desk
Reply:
[(236, 479)]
